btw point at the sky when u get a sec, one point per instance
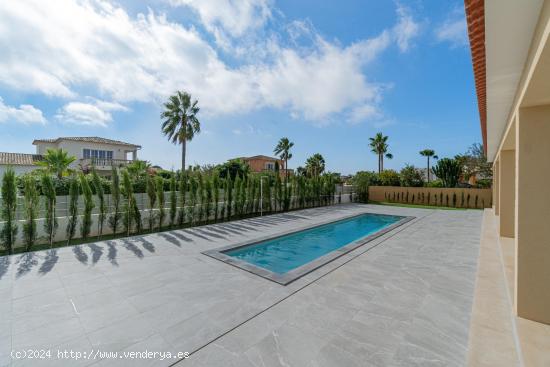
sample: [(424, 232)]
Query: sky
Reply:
[(326, 74)]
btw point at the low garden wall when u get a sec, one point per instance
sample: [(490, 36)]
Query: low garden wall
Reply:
[(451, 197)]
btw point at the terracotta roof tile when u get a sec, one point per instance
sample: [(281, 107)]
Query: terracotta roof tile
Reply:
[(19, 159), (475, 16), (87, 139)]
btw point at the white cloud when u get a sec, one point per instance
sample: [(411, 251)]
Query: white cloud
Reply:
[(364, 112), (453, 30), (326, 81), (92, 114), (233, 17), (405, 29), (26, 114), (94, 45)]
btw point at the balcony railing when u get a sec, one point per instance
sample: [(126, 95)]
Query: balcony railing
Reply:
[(104, 162)]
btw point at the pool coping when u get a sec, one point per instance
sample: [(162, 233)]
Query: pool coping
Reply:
[(291, 276)]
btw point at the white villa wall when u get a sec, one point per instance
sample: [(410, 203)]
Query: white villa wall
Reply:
[(41, 148), (19, 169), (76, 148)]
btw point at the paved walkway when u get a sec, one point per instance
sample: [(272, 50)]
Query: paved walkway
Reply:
[(405, 302)]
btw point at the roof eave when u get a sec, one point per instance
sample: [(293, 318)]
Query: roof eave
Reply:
[(475, 16)]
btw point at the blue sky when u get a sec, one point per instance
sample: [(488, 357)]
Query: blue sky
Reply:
[(328, 75)]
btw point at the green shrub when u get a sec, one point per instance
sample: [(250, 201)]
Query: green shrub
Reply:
[(435, 183), (410, 177), (361, 181), (389, 177), (485, 183), (448, 171)]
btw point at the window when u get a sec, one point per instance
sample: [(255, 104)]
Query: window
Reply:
[(98, 154), (270, 166)]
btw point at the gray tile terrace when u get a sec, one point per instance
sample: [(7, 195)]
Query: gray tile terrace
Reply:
[(405, 302)]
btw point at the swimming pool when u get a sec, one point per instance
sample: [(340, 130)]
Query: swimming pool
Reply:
[(290, 256)]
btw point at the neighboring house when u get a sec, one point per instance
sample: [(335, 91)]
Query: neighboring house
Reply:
[(262, 163), (89, 151), (101, 153), (20, 162)]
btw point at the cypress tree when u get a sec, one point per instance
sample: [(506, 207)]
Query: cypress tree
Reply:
[(200, 196), (161, 200), (173, 200), (208, 198), (216, 194), (114, 219), (183, 187), (31, 206), (237, 193), (127, 191), (72, 215), (86, 225), (229, 198), (151, 189), (102, 211), (192, 199), (9, 206), (50, 199)]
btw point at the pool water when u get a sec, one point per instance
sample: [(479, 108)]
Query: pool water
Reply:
[(289, 252)]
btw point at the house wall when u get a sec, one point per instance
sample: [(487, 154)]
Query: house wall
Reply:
[(41, 148), (258, 164), (522, 182), (76, 148), (19, 169)]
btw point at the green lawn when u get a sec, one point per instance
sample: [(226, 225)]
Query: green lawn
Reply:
[(415, 205)]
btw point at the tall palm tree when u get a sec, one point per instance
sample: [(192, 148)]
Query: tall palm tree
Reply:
[(56, 161), (283, 150), (180, 121), (428, 153), (379, 146), (315, 165)]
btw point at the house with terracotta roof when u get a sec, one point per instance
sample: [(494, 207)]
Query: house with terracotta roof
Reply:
[(20, 162), (263, 163), (102, 153)]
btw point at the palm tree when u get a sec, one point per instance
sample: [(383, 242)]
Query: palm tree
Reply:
[(379, 146), (283, 150), (180, 121), (315, 165), (56, 161), (428, 153), (138, 168)]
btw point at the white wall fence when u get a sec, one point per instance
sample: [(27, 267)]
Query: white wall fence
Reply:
[(342, 196)]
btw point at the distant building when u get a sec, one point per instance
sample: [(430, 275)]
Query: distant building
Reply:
[(424, 173), (20, 162), (262, 163), (101, 153)]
